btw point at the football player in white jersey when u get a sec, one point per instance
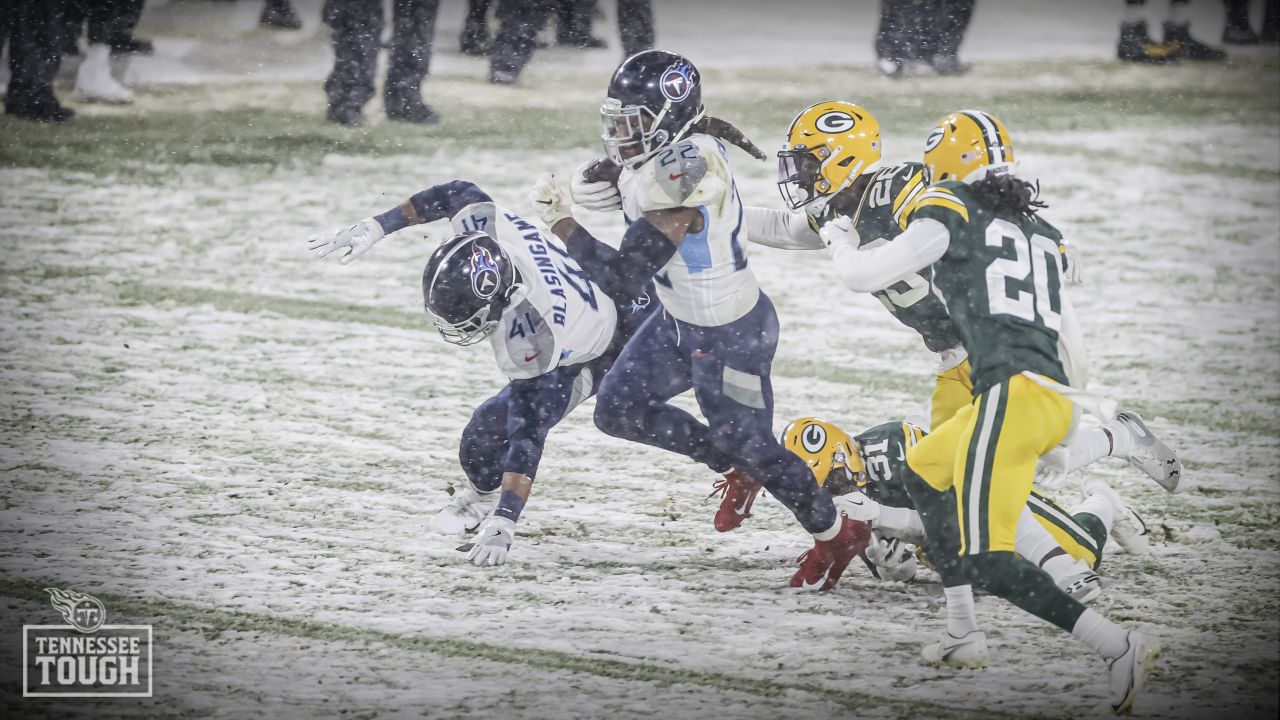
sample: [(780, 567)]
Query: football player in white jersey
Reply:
[(717, 332), (551, 328)]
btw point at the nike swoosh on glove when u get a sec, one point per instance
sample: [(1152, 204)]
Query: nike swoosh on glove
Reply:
[(548, 201), (492, 542)]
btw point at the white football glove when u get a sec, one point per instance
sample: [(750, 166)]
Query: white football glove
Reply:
[(894, 559), (838, 233), (492, 542), (1075, 263), (602, 196), (353, 240), (548, 201), (857, 506), (1051, 468)]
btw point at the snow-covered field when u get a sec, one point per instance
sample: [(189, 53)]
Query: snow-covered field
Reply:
[(217, 434)]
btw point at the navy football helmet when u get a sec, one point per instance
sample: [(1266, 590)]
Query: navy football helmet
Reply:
[(467, 284), (654, 99)]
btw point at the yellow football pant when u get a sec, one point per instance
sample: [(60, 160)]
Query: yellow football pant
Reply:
[(952, 390), (1071, 536), (988, 450)]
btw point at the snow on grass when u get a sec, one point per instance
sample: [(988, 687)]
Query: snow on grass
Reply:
[(221, 435)]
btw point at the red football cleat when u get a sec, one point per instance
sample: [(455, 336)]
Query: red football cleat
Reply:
[(740, 492), (822, 565)]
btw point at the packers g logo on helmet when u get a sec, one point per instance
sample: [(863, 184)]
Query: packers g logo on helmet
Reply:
[(828, 451), (965, 146), (828, 146)]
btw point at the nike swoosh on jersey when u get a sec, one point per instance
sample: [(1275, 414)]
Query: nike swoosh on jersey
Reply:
[(531, 358), (676, 176)]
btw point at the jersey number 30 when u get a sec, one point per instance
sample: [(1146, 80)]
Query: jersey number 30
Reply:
[(1036, 257)]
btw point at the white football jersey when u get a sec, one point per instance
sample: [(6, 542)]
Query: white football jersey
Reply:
[(559, 317), (707, 282)]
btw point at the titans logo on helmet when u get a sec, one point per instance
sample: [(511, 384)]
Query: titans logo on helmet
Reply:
[(484, 273), (677, 81)]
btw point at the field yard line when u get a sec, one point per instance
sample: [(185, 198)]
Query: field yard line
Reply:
[(191, 615)]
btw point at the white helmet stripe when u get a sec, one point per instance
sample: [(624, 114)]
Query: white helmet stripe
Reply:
[(995, 148)]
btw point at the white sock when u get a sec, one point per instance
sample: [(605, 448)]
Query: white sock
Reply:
[(1087, 445), (1062, 566), (1031, 540), (961, 619), (1100, 507), (1178, 13), (1105, 637), (831, 532), (1120, 437)]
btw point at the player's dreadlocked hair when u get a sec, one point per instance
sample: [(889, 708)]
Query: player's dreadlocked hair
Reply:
[(1008, 195), (725, 130)]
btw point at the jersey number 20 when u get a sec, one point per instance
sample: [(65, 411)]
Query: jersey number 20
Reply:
[(1036, 257)]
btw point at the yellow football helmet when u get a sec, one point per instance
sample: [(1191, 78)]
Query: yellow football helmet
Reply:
[(828, 146), (828, 451), (966, 145)]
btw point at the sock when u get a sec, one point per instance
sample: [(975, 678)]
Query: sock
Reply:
[(1178, 12), (1133, 11), (1100, 507), (1025, 585), (961, 619), (1087, 445), (1061, 566), (1105, 637), (1031, 540), (509, 506), (1120, 437)]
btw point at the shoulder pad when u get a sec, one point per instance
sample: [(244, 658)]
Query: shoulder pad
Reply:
[(907, 186), (475, 217), (944, 201), (683, 175)]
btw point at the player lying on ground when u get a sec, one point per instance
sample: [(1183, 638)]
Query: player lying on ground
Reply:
[(996, 261), (718, 331), (869, 477), (553, 332)]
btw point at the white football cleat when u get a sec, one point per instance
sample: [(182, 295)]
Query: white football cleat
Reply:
[(1128, 529), (969, 651), (1128, 673), (1083, 586), (94, 82), (1149, 454), (466, 510)]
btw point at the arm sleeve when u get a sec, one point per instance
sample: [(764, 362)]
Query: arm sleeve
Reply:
[(780, 229), (435, 203), (919, 246), (622, 273)]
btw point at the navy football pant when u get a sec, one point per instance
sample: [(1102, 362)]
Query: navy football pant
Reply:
[(728, 369), (484, 450)]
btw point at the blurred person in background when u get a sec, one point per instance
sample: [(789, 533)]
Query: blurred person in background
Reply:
[(475, 31), (108, 27), (574, 19), (1238, 30), (520, 21), (357, 32), (1136, 44), (922, 36), (279, 15), (34, 30)]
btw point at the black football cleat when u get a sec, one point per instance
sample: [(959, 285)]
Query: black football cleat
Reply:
[(1188, 47)]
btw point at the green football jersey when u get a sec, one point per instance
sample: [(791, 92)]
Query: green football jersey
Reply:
[(1002, 279), (884, 452), (881, 216)]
